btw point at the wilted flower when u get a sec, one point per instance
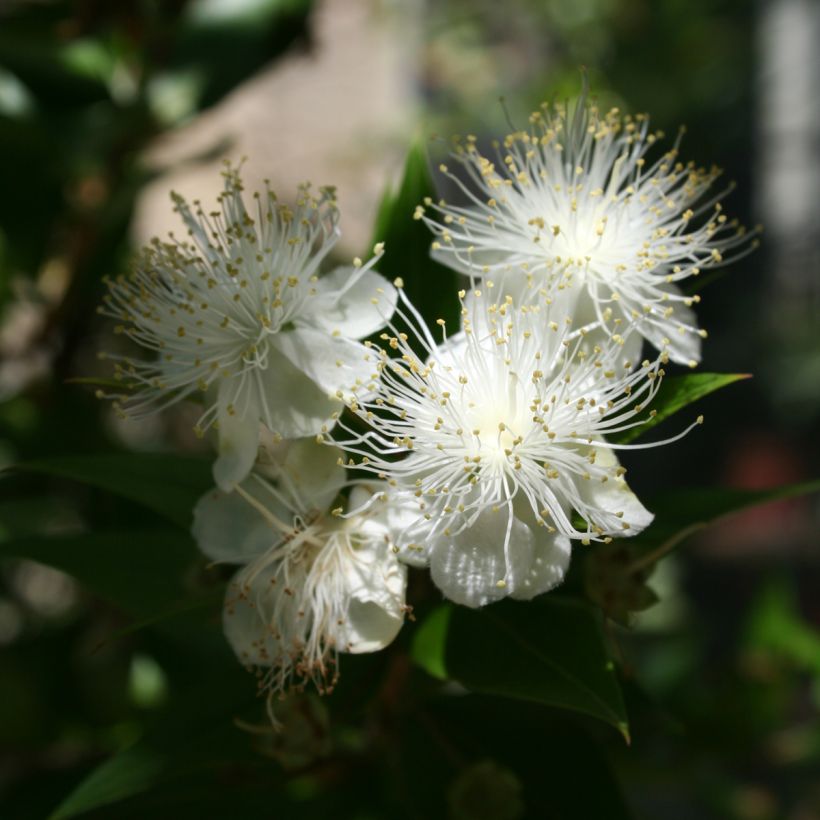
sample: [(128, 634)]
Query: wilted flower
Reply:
[(573, 204), (504, 429), (313, 583), (240, 313)]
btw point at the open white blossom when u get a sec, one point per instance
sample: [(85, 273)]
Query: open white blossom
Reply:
[(313, 583), (574, 203), (504, 431), (239, 312)]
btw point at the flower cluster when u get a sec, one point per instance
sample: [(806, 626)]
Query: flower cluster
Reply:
[(483, 453), (311, 582), (239, 313)]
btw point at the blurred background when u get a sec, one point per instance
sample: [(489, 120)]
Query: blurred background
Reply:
[(106, 107)]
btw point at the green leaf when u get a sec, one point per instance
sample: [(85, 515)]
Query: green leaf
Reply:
[(550, 651), (195, 734), (675, 393), (683, 513), (430, 286), (143, 572), (430, 642), (776, 626), (42, 514), (708, 505), (126, 774), (167, 484), (557, 776)]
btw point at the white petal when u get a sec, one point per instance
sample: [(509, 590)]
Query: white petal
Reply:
[(469, 567), (333, 363), (550, 560), (227, 527), (305, 471), (243, 622), (370, 626), (407, 528), (238, 438), (612, 505), (292, 405), (349, 309), (375, 582), (632, 348)]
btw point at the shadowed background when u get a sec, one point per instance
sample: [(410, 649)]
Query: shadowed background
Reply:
[(106, 107)]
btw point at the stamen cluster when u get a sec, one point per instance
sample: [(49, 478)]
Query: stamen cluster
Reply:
[(576, 202), (505, 427)]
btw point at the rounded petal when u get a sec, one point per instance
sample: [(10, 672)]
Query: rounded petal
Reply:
[(612, 506), (249, 635), (333, 363), (344, 303), (291, 403), (375, 583), (238, 439), (374, 580), (370, 626), (406, 527), (227, 527), (307, 472), (550, 561), (471, 569)]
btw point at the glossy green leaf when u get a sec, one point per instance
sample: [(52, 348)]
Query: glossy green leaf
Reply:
[(430, 286), (524, 651), (167, 484), (121, 776), (675, 393), (704, 506), (556, 775), (430, 642), (615, 574), (182, 743), (683, 513)]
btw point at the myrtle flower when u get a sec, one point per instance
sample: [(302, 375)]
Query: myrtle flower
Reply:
[(239, 312), (313, 582), (504, 430), (574, 203)]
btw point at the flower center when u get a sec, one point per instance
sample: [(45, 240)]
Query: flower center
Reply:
[(497, 430)]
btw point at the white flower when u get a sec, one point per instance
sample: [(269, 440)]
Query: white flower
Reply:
[(574, 204), (240, 313), (313, 583), (504, 426)]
